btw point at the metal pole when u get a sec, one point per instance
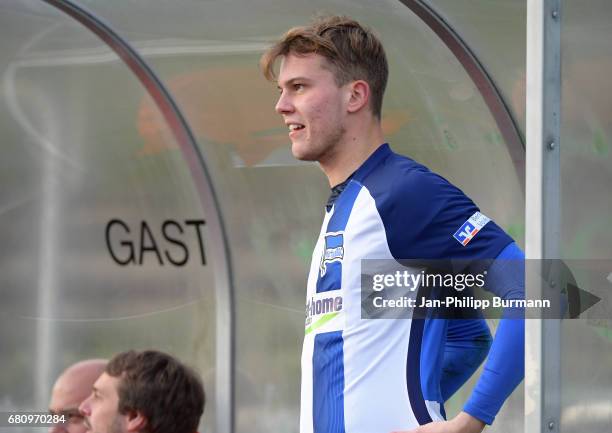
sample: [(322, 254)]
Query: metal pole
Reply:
[(46, 326), (543, 223)]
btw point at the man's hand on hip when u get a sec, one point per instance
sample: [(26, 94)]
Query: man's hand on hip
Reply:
[(462, 423)]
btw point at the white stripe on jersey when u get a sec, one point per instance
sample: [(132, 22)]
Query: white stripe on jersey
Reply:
[(375, 350)]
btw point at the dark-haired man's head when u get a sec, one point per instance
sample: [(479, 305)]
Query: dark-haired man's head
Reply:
[(147, 391)]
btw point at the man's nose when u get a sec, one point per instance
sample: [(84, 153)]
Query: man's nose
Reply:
[(84, 408), (283, 105)]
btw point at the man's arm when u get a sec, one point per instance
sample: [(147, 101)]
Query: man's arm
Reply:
[(505, 366), (467, 344)]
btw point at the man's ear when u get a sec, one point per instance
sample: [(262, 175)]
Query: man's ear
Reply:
[(359, 95), (135, 421)]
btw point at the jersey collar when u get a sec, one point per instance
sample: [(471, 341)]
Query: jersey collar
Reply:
[(358, 175), (373, 160)]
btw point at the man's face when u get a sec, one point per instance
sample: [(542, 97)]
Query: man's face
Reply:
[(67, 406), (101, 407), (312, 106), (67, 395)]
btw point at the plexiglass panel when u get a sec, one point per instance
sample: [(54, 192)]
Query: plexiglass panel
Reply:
[(206, 53), (273, 206), (105, 245), (495, 31), (586, 204)]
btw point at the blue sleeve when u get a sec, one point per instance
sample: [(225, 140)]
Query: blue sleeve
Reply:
[(427, 218), (467, 344), (422, 212), (505, 366)]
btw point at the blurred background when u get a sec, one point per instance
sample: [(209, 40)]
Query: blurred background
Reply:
[(118, 232)]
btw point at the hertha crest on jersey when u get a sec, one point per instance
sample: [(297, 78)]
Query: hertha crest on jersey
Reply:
[(333, 251)]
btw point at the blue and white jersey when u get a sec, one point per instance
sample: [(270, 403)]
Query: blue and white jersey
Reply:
[(363, 375)]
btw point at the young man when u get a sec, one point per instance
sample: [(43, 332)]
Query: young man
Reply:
[(360, 375), (142, 392), (70, 389)]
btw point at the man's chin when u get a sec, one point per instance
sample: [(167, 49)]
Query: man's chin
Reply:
[(302, 155), (305, 158)]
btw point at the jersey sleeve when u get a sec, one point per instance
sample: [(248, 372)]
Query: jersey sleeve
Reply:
[(426, 217)]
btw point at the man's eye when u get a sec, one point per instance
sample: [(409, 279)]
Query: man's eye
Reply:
[(298, 86)]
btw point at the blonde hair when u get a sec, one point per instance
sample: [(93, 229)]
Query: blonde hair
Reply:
[(353, 53)]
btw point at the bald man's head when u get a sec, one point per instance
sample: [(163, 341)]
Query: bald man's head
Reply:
[(71, 388)]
